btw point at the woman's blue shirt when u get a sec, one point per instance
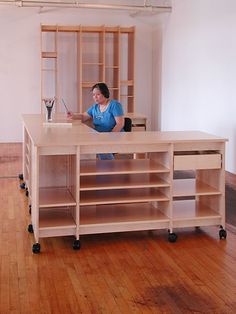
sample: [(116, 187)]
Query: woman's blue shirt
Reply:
[(105, 121)]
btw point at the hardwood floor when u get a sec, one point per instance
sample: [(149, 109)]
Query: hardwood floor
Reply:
[(136, 272), (10, 160)]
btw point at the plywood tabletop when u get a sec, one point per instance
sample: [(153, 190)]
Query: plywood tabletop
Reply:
[(80, 134)]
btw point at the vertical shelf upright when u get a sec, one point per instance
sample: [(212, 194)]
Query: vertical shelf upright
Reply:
[(79, 69), (127, 62), (49, 54), (112, 61)]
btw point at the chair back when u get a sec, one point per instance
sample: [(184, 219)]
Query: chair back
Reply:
[(128, 124)]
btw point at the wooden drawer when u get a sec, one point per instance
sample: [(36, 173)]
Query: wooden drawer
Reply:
[(138, 128), (192, 162)]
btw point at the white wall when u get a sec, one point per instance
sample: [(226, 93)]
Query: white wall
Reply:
[(20, 68), (199, 70), (194, 67)]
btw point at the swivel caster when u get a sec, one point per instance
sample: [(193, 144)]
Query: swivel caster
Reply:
[(30, 209), (36, 248), (76, 245), (22, 186), (30, 228), (20, 176), (222, 233), (172, 237)]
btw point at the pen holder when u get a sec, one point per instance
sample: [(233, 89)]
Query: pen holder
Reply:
[(49, 114), (49, 102)]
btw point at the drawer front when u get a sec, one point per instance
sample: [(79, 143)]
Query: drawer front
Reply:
[(194, 162), (138, 128), (136, 120)]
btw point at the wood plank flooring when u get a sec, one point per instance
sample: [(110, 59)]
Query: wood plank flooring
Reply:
[(136, 272)]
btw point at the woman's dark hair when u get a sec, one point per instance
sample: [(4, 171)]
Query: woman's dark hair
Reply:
[(103, 89)]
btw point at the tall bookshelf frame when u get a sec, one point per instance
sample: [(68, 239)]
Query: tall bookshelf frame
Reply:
[(104, 53)]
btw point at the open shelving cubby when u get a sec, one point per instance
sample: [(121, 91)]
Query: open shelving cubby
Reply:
[(132, 194), (198, 192)]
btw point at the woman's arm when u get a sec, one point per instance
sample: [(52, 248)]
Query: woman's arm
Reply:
[(78, 116), (119, 124)]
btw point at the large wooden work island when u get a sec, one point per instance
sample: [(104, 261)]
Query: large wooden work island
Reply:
[(73, 193)]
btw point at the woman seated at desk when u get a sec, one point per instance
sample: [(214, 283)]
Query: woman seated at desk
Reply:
[(106, 114)]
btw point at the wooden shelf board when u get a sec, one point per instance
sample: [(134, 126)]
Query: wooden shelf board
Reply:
[(56, 218), (99, 167), (127, 30), (49, 70), (65, 28), (120, 214), (188, 209), (92, 29), (192, 187), (112, 67), (48, 28), (112, 29), (49, 54), (124, 226), (127, 82), (121, 182), (54, 197), (121, 196), (54, 223), (93, 63), (87, 29), (114, 88)]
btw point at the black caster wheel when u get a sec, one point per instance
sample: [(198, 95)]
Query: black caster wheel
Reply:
[(172, 237), (222, 233), (36, 248), (76, 245), (30, 228), (22, 185), (30, 209), (21, 177), (27, 192)]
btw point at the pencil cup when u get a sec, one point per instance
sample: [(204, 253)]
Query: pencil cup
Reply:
[(48, 114), (49, 102)]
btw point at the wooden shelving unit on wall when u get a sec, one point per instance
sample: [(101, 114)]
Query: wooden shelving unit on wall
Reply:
[(84, 55)]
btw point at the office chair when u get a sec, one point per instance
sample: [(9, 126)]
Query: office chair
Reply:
[(127, 128), (128, 124)]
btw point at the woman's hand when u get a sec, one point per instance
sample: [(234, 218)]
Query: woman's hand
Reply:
[(75, 116), (69, 115)]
